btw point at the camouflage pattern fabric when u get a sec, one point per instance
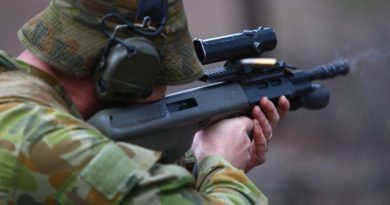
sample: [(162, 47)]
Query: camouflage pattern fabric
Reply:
[(50, 156), (67, 35)]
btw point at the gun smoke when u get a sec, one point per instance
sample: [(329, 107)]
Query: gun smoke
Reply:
[(369, 57)]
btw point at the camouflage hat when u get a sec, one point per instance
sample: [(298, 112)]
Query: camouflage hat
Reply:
[(67, 35)]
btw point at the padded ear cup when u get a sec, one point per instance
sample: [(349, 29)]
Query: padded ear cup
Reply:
[(127, 71)]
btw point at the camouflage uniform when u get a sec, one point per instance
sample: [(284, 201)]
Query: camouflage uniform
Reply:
[(49, 155)]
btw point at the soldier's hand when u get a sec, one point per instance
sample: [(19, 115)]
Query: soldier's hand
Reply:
[(265, 119), (229, 138)]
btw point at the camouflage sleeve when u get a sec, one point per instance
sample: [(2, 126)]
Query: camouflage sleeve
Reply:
[(219, 180), (49, 157)]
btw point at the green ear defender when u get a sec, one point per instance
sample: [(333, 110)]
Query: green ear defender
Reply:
[(128, 68), (128, 72)]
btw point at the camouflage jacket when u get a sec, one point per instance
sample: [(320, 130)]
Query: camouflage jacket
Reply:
[(49, 155)]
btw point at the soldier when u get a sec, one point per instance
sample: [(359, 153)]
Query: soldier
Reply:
[(49, 155)]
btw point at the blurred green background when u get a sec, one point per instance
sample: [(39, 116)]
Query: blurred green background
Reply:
[(338, 155)]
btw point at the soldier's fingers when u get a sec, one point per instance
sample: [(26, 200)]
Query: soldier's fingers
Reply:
[(270, 111), (258, 147), (283, 106), (264, 123)]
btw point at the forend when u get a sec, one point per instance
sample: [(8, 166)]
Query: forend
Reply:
[(248, 43)]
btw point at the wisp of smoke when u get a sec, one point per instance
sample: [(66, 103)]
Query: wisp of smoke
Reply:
[(368, 57)]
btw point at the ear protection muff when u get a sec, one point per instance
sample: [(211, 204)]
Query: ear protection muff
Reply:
[(128, 68), (128, 71)]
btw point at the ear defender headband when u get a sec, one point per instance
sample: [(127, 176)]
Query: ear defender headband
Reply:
[(128, 68)]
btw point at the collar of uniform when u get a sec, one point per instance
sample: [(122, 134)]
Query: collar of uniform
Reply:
[(11, 64)]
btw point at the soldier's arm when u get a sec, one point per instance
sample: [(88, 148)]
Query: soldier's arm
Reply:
[(218, 179), (68, 161)]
